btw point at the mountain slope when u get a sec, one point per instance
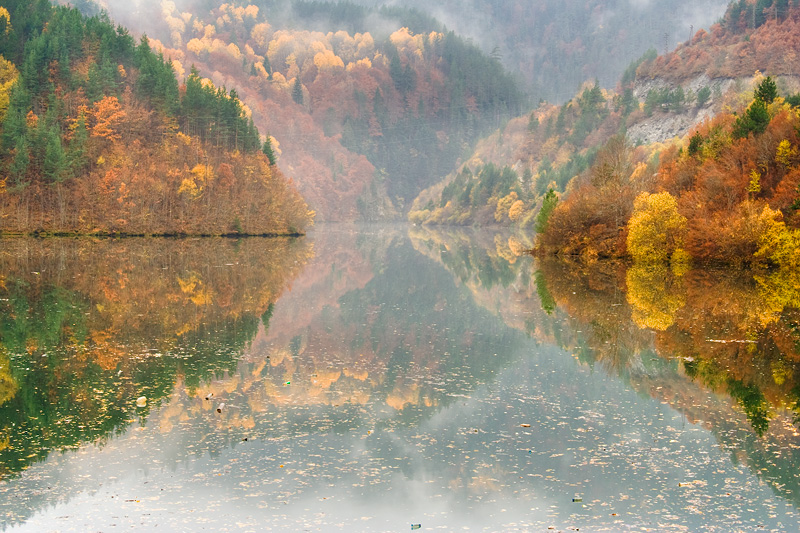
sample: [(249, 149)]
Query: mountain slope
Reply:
[(380, 104), (728, 192), (97, 138)]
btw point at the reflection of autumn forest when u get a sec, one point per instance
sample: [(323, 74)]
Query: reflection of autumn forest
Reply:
[(175, 320), (88, 327), (722, 347), (729, 333)]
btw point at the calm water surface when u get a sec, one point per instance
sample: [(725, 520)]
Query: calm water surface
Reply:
[(372, 378)]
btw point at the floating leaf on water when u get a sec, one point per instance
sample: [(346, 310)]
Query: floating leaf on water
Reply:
[(415, 526)]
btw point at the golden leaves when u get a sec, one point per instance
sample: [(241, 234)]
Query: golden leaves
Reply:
[(8, 385), (4, 14), (326, 59), (107, 115), (655, 229), (786, 154), (8, 77), (195, 289), (654, 300)]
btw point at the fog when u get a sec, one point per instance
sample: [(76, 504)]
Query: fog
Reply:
[(552, 46)]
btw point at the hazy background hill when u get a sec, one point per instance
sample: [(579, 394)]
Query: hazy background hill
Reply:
[(373, 121), (555, 45)]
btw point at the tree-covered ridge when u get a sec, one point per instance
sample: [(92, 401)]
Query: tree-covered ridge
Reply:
[(727, 193), (753, 35), (359, 111), (507, 178), (99, 137)]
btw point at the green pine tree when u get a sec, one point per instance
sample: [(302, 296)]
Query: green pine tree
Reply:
[(268, 151), (54, 164), (297, 91)]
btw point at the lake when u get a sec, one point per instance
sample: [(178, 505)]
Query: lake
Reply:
[(376, 378)]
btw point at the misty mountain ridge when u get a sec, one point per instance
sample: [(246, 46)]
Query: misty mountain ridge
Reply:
[(390, 133)]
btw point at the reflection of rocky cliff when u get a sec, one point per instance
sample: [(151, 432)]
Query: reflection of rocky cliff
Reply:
[(87, 327)]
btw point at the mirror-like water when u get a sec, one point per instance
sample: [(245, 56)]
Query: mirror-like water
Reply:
[(373, 378)]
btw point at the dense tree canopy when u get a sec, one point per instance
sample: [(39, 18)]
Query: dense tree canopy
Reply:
[(99, 136)]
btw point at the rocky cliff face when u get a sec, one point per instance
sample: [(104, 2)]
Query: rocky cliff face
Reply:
[(664, 125)]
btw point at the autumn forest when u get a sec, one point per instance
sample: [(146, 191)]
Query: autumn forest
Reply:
[(485, 265)]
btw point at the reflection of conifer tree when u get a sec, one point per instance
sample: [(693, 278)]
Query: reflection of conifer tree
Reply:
[(753, 402)]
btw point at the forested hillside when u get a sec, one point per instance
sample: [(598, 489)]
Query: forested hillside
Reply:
[(368, 106), (97, 137), (728, 191), (504, 181)]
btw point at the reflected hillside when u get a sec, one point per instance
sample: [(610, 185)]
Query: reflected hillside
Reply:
[(372, 335), (492, 266), (87, 327), (721, 347), (360, 341)]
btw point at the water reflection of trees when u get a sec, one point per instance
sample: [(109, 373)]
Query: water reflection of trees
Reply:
[(88, 327), (396, 346), (734, 333), (722, 347), (372, 332)]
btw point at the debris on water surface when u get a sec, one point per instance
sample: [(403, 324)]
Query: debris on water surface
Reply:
[(577, 500), (209, 395), (220, 407), (524, 425), (415, 526), (288, 382), (141, 401)]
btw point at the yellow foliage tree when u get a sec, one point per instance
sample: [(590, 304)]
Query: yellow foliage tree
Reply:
[(516, 210), (786, 154), (8, 385), (777, 244), (504, 205), (328, 60), (8, 77), (4, 14), (108, 114), (203, 174), (754, 186), (656, 229), (190, 189)]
